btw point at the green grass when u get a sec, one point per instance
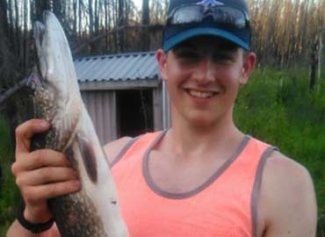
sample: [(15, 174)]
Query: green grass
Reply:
[(278, 107), (8, 191)]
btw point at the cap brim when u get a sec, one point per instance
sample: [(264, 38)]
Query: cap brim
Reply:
[(194, 32)]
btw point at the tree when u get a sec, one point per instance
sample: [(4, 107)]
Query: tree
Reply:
[(145, 22)]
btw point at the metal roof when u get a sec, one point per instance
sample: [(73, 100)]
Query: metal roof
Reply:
[(117, 67)]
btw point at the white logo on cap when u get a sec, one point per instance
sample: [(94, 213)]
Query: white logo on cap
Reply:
[(210, 3)]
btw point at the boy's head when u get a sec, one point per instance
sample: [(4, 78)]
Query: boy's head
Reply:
[(226, 19)]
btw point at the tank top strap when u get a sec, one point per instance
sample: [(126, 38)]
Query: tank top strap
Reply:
[(137, 144)]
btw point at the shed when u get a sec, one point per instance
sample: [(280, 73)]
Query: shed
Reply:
[(123, 93)]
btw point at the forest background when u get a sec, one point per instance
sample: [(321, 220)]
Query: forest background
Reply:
[(284, 103)]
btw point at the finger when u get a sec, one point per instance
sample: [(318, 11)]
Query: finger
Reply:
[(46, 157), (25, 132), (45, 176), (35, 194), (40, 158)]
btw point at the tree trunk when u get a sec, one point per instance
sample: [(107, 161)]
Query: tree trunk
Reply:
[(91, 17), (26, 41), (108, 20), (314, 63), (145, 22), (57, 8), (320, 55), (121, 23), (75, 19), (4, 17)]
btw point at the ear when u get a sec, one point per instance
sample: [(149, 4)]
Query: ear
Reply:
[(161, 58), (248, 66)]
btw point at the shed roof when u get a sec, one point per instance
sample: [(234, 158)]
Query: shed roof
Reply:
[(117, 67)]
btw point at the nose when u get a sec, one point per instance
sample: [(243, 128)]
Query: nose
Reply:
[(205, 71)]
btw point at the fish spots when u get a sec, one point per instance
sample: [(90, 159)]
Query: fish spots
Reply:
[(113, 201), (76, 215), (88, 157)]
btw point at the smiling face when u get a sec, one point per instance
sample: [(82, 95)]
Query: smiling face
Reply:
[(203, 76)]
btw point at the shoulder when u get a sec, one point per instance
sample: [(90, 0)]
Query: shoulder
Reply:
[(279, 166), (288, 198), (112, 149), (286, 175)]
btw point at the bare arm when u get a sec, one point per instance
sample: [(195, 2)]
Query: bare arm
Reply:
[(287, 202), (40, 175)]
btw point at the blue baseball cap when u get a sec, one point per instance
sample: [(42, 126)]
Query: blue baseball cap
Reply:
[(226, 19)]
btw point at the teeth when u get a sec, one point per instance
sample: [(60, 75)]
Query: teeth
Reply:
[(200, 94)]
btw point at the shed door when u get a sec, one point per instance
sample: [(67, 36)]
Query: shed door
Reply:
[(134, 111)]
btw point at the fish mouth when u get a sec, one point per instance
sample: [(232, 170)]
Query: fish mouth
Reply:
[(39, 36), (38, 33)]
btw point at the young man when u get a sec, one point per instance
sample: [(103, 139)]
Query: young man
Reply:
[(201, 177)]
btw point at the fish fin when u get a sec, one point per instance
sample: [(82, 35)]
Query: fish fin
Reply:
[(88, 157)]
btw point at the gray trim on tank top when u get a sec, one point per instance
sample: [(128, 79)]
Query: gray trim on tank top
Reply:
[(123, 150), (201, 187), (256, 188)]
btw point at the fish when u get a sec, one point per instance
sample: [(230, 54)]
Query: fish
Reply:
[(94, 211)]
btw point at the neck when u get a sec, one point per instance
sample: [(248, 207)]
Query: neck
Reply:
[(187, 140)]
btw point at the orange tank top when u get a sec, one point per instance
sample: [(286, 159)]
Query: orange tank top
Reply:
[(225, 205)]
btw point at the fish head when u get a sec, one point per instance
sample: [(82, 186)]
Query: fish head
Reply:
[(55, 60), (57, 92)]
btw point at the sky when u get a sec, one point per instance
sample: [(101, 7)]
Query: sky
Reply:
[(138, 3)]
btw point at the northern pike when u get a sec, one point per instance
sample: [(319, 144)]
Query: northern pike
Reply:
[(93, 211)]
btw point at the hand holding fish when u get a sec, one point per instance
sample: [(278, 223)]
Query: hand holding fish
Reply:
[(41, 174)]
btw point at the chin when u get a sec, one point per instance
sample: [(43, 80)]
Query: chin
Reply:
[(202, 121)]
